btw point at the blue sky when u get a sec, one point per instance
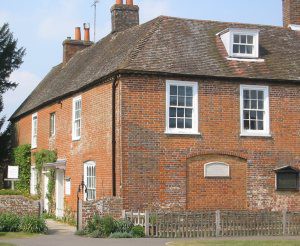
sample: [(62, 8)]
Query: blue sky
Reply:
[(42, 25)]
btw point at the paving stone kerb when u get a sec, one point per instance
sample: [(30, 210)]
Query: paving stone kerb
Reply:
[(19, 205)]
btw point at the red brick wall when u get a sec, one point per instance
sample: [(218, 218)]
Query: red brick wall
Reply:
[(155, 164), (291, 12), (94, 145)]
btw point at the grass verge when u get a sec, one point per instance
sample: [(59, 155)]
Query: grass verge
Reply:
[(237, 243), (7, 244), (16, 235)]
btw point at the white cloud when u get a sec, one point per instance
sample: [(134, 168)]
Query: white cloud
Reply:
[(12, 99), (150, 9)]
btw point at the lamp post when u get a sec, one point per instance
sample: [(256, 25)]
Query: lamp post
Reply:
[(81, 188)]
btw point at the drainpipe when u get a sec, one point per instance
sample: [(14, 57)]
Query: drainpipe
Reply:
[(113, 137)]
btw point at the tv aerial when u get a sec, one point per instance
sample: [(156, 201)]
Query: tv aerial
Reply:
[(95, 16)]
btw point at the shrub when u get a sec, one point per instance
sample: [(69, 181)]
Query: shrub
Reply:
[(33, 224), (123, 225), (4, 192), (108, 225), (138, 231), (97, 234), (9, 222), (120, 235), (80, 233)]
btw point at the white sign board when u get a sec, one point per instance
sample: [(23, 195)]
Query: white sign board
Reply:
[(68, 187), (13, 172)]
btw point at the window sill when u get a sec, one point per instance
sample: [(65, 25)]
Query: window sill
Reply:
[(33, 148), (245, 59), (183, 133), (75, 139), (255, 135), (287, 190)]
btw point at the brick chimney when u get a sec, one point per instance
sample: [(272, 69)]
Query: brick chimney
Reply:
[(124, 16), (72, 46), (291, 13)]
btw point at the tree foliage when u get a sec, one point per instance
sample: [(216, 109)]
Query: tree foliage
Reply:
[(11, 59)]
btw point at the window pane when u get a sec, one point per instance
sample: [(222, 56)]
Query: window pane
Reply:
[(260, 125), (235, 48), (236, 38), (246, 114), (250, 39), (188, 113), (246, 124), (172, 123), (189, 91), (246, 104), (260, 95), (173, 90), (253, 104), (188, 123), (180, 123), (260, 104), (246, 94), (253, 125), (249, 49), (172, 112), (253, 94), (180, 112), (243, 39), (181, 101), (253, 115), (181, 90), (173, 101), (242, 49), (189, 101), (287, 180), (260, 115)]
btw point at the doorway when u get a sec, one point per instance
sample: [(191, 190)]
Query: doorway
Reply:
[(59, 209)]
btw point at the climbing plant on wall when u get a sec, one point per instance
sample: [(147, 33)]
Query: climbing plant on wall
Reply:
[(42, 157), (22, 158)]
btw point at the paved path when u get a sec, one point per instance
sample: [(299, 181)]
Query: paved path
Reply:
[(63, 235)]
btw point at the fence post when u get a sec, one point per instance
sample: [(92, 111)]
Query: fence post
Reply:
[(284, 221), (218, 223), (79, 214), (147, 222)]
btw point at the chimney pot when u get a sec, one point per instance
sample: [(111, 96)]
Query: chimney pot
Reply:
[(77, 33), (119, 2), (129, 2), (86, 27)]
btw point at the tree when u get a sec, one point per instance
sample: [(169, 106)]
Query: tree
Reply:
[(11, 59)]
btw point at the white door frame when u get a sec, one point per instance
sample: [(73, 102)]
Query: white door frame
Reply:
[(59, 194), (46, 201)]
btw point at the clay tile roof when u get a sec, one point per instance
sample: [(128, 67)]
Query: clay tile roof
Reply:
[(171, 46)]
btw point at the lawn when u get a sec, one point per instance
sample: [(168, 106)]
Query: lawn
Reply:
[(237, 243), (15, 235), (7, 244)]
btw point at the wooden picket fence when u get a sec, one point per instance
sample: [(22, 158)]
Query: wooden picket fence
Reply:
[(216, 223)]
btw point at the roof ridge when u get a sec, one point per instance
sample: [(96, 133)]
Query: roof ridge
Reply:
[(132, 54)]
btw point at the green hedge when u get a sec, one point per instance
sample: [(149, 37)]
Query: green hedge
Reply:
[(13, 223), (17, 193)]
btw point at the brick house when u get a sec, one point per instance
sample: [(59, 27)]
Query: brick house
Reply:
[(173, 114)]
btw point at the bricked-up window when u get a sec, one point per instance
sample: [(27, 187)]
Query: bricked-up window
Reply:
[(182, 107), (34, 131), (76, 129), (52, 124), (90, 180), (287, 178), (254, 110)]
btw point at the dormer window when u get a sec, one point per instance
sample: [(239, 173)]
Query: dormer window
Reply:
[(241, 43)]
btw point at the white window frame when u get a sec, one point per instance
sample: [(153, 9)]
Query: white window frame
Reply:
[(259, 133), (227, 175), (34, 131), (195, 116), (74, 136), (86, 166), (52, 134), (249, 32), (33, 180)]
